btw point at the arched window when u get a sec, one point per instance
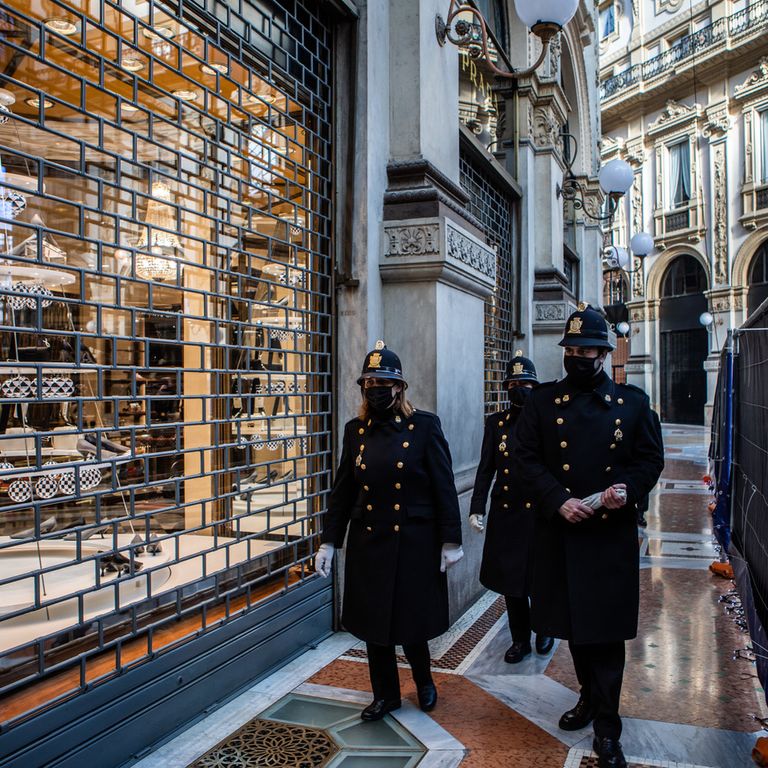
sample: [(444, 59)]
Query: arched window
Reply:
[(684, 276), (758, 279)]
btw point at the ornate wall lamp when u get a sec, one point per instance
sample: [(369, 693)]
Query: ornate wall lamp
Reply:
[(617, 258), (544, 17)]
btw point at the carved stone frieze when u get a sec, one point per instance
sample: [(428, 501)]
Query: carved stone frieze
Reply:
[(550, 311), (638, 277), (720, 216), (413, 240), (546, 131), (718, 121), (757, 81), (635, 152), (673, 115), (469, 251), (748, 166)]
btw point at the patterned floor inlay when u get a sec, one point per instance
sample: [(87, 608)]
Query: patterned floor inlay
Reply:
[(301, 731), (581, 758), (456, 654)]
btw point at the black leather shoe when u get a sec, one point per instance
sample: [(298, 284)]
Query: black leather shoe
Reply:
[(378, 708), (609, 752), (517, 652), (577, 718), (427, 697), (544, 644)]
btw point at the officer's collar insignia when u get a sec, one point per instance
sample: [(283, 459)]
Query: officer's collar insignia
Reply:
[(374, 361), (618, 435), (575, 325), (517, 369)]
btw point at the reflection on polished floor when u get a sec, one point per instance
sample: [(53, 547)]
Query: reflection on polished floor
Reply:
[(686, 702)]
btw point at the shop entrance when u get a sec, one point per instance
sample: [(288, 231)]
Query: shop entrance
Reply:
[(684, 343)]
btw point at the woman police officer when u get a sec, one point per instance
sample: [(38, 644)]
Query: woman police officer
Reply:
[(394, 490), (506, 566)]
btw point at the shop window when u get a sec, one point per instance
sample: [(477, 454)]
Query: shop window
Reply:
[(679, 156), (164, 327)]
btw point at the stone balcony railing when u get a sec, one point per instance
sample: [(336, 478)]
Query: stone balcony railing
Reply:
[(751, 20)]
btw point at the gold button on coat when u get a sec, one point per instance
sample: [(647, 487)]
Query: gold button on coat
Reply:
[(506, 453), (361, 431), (618, 421), (400, 465), (398, 486), (566, 467), (527, 504), (566, 398), (368, 528), (506, 506), (366, 488), (506, 487), (501, 423), (369, 507), (397, 528), (503, 437), (557, 401), (406, 444), (561, 420), (613, 445), (362, 466), (607, 469), (620, 401), (410, 426), (506, 471), (605, 515), (397, 507), (563, 444)]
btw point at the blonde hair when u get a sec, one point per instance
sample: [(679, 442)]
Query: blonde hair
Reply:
[(401, 406)]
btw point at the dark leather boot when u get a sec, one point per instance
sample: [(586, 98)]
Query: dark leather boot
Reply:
[(544, 644), (378, 708), (609, 752), (517, 652), (427, 696), (577, 718)]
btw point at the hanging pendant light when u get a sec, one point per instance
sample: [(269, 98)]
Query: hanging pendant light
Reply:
[(159, 237), (7, 100)]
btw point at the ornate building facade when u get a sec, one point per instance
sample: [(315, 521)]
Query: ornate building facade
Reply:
[(684, 100)]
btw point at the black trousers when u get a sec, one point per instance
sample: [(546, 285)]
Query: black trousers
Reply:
[(600, 670), (382, 667), (519, 618)]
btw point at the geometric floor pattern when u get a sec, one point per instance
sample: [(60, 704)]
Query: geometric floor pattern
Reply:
[(580, 758)]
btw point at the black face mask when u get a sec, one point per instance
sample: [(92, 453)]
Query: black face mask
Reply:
[(582, 370), (380, 399), (518, 396)]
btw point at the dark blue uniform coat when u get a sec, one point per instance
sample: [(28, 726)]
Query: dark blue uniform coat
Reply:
[(505, 566), (573, 443), (395, 490)]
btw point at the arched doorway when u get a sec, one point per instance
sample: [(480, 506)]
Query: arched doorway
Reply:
[(684, 342), (758, 279)]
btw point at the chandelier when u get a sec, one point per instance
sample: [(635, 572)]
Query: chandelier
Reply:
[(159, 237)]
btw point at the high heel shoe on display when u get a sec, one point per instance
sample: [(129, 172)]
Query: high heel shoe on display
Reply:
[(89, 445), (89, 534), (154, 547), (46, 526)]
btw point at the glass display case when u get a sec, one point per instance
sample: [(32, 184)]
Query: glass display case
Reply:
[(165, 325)]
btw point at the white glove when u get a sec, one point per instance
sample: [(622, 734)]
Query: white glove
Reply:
[(476, 523), (324, 559), (595, 500), (451, 554)]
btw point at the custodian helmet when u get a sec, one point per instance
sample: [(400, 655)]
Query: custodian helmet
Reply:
[(586, 327), (520, 368), (382, 363)]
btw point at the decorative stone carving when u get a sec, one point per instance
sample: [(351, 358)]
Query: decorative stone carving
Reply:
[(718, 122), (721, 304), (748, 166), (555, 49), (545, 128), (720, 216), (659, 175), (638, 278), (550, 311), (469, 252), (635, 152), (413, 241), (674, 114), (638, 315), (755, 82), (668, 6)]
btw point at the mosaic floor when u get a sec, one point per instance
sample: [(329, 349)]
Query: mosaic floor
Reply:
[(688, 700)]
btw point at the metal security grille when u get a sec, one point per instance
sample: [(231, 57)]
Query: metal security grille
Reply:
[(493, 208), (165, 324)]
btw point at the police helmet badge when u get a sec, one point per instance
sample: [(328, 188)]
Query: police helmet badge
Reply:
[(517, 369), (374, 361), (575, 325)]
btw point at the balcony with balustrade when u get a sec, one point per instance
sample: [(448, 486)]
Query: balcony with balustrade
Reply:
[(731, 38)]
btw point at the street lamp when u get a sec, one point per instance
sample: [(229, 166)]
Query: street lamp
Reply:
[(615, 179), (544, 17), (623, 328)]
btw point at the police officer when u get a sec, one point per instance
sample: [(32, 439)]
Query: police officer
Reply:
[(395, 491), (589, 450), (506, 565)]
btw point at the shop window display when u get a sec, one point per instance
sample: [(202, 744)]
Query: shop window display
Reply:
[(165, 308)]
